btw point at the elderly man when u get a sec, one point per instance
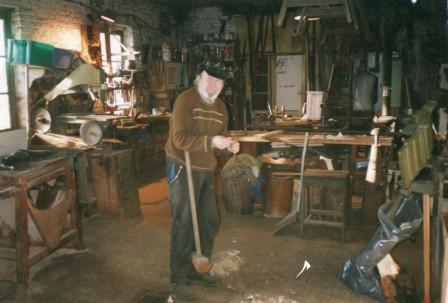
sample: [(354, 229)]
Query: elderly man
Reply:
[(198, 120)]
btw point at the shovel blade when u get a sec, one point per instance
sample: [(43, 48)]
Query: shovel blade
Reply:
[(201, 263), (289, 219)]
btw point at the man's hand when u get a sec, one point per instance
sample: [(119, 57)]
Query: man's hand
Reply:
[(221, 142), (234, 147)]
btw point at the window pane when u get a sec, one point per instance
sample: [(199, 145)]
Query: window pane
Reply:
[(5, 117), (2, 38), (115, 46), (3, 79)]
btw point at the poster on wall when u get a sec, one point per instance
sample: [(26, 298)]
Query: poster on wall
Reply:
[(289, 84)]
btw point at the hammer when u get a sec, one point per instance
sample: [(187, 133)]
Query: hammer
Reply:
[(200, 262)]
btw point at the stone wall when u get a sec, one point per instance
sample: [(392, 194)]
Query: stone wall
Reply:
[(205, 21)]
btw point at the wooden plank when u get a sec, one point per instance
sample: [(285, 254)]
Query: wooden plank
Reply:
[(314, 173), (325, 223), (325, 11), (22, 242), (282, 14), (268, 135), (328, 213), (444, 285), (61, 141), (317, 138), (45, 251)]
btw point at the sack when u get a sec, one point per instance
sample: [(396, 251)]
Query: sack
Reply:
[(239, 178), (243, 165), (398, 221)]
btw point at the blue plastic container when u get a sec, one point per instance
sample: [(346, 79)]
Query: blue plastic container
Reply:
[(62, 58)]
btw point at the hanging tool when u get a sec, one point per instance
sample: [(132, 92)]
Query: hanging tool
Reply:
[(293, 215), (201, 263)]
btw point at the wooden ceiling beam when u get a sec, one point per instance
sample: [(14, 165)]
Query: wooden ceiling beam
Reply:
[(299, 3), (325, 11)]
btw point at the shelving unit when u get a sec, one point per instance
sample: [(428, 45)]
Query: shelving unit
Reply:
[(165, 80)]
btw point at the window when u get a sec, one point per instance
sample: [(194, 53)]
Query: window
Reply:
[(115, 52), (5, 97)]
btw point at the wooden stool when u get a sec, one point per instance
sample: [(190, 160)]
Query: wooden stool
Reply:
[(322, 213)]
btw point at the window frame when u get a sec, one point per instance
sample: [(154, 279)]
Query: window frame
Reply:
[(5, 14), (107, 39)]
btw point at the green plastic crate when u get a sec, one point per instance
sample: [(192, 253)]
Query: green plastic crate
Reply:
[(29, 52)]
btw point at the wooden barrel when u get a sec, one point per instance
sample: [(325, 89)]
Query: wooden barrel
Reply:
[(279, 196)]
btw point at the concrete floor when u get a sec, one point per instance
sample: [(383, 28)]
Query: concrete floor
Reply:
[(125, 259)]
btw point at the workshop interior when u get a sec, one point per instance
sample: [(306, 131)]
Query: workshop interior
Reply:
[(337, 193)]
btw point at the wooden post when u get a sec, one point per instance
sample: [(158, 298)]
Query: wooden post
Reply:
[(22, 242), (426, 248)]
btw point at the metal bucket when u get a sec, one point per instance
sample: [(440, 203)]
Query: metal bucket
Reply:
[(279, 196)]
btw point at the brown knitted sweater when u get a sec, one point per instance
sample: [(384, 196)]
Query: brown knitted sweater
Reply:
[(192, 126)]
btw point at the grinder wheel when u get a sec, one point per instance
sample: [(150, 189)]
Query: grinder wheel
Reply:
[(91, 132), (40, 120)]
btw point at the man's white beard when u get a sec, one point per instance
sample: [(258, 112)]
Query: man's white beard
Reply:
[(206, 96)]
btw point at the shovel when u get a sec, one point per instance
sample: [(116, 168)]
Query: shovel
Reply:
[(293, 214), (201, 263)]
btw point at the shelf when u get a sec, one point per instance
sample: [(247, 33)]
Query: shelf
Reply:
[(213, 42)]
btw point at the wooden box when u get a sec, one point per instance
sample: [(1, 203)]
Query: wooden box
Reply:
[(115, 183)]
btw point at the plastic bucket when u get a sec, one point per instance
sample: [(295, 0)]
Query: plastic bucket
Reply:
[(313, 106)]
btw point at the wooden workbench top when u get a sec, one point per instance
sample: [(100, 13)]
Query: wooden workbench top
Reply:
[(313, 138)]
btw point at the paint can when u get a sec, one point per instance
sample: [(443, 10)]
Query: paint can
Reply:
[(279, 196)]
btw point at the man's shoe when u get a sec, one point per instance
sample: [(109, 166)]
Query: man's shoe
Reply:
[(181, 292), (206, 280)]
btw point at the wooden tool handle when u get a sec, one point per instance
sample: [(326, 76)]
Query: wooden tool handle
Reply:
[(373, 157), (194, 217), (426, 248)]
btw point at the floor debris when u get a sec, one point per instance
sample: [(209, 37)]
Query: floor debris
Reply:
[(225, 262)]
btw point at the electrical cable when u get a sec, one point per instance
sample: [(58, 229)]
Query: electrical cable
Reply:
[(8, 290)]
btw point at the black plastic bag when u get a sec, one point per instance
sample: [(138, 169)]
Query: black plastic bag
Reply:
[(398, 221)]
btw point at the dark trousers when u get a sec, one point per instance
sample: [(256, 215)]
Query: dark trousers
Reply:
[(182, 237)]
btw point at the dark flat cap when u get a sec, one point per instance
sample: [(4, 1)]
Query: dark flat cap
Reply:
[(213, 68)]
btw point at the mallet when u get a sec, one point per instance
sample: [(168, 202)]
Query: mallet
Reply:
[(201, 263)]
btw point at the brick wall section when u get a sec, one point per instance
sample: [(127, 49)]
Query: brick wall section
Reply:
[(59, 23)]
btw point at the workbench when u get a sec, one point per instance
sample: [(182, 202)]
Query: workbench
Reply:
[(319, 138), (60, 225)]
